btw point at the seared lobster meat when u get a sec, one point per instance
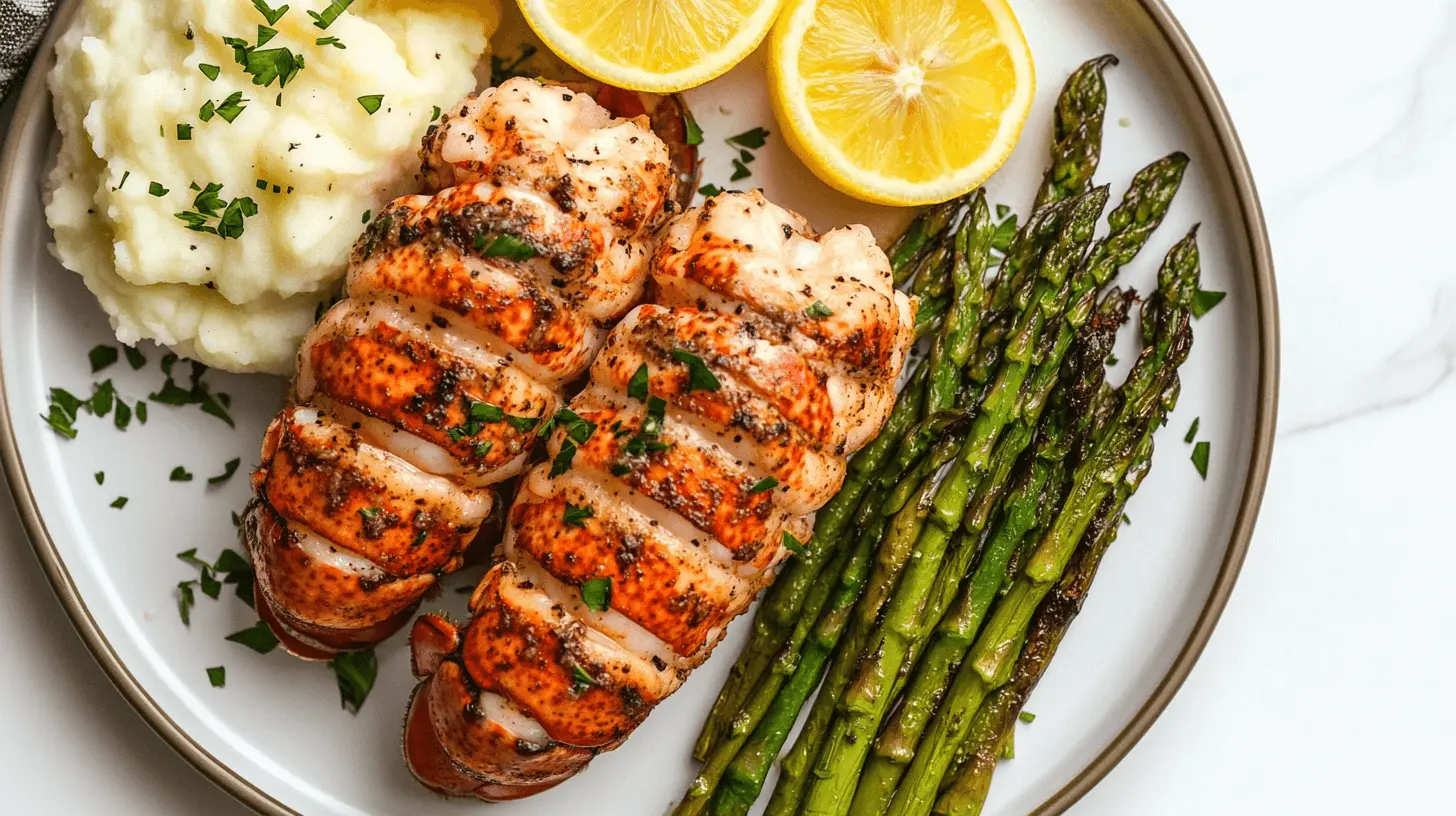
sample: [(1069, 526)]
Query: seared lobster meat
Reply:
[(715, 423), (467, 311)]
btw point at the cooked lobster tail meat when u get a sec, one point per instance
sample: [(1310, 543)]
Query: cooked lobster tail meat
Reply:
[(467, 312), (716, 421)]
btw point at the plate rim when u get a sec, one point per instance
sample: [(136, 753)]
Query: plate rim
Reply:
[(1255, 479)]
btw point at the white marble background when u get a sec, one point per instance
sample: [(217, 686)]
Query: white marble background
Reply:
[(1326, 689)]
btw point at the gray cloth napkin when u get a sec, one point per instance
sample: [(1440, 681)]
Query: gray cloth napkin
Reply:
[(22, 24)]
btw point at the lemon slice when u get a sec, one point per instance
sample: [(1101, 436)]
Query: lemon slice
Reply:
[(901, 102), (651, 45)]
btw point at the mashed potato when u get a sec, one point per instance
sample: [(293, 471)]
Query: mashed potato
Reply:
[(133, 77)]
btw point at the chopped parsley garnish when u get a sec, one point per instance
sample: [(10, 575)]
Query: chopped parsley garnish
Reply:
[(198, 394), (597, 594), (482, 449), (157, 190), (120, 502), (740, 171), (211, 587), (583, 680), (217, 675), (265, 65), (792, 544), (184, 132), (420, 538), (746, 157), (656, 413), (103, 356), (577, 516), (562, 462), (208, 205), (700, 378), (818, 310), (180, 474), (59, 422), (763, 485), (100, 477), (232, 107), (578, 430), (124, 176), (272, 15), (435, 115), (356, 672), (1026, 717), (185, 601), (371, 103), (753, 139), (265, 34), (1112, 359), (1002, 237), (123, 415), (503, 246), (227, 472), (620, 469), (1192, 431), (1204, 300), (324, 19), (709, 190), (693, 133), (210, 71), (485, 412), (501, 70), (334, 41), (637, 386), (257, 637), (523, 424), (1002, 211), (368, 214), (369, 513), (103, 396), (1200, 458)]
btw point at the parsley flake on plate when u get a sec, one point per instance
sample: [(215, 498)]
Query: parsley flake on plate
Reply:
[(356, 672)]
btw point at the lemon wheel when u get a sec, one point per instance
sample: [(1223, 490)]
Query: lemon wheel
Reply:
[(901, 102), (659, 46)]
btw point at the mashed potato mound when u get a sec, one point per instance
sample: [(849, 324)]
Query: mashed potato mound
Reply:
[(134, 76)]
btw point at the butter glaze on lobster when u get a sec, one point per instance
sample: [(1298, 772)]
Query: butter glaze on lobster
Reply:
[(466, 313), (770, 354)]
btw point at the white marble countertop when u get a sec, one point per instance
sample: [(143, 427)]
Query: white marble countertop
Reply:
[(1326, 687)]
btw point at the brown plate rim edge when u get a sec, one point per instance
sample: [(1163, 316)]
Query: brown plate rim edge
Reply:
[(1257, 237)]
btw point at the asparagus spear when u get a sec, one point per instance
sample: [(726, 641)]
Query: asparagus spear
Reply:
[(961, 327), (987, 666), (922, 232), (699, 793), (995, 721), (1075, 153), (744, 777), (1085, 371), (780, 609), (1077, 137), (867, 700), (901, 532)]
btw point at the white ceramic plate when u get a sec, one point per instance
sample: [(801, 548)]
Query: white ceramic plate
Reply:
[(276, 735)]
